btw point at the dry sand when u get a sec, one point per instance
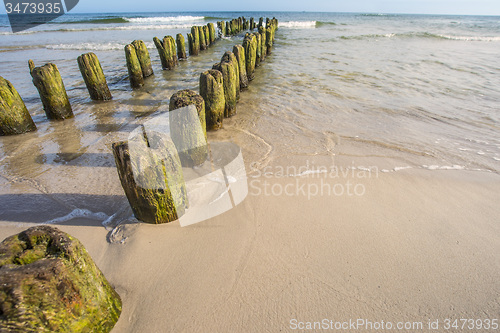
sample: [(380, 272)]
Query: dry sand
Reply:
[(419, 245)]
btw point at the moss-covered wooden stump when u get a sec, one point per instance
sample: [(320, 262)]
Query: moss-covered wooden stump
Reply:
[(190, 143), (269, 40), (166, 51), (190, 44), (181, 47), (250, 46), (252, 23), (230, 78), (263, 45), (134, 67), (258, 52), (49, 283), (202, 39), (50, 86), (211, 30), (206, 33), (221, 27), (14, 116), (151, 176), (170, 45), (261, 22), (196, 40), (144, 59), (94, 78), (239, 53), (212, 91)]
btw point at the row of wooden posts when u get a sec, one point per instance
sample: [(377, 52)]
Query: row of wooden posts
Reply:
[(219, 92), (15, 117)]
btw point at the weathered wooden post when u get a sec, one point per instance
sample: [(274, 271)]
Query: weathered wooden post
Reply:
[(206, 32), (190, 44), (269, 40), (14, 116), (230, 79), (239, 53), (181, 47), (162, 52), (50, 86), (258, 57), (262, 32), (144, 59), (261, 22), (49, 283), (252, 23), (134, 67), (196, 40), (228, 28), (250, 46), (169, 43), (211, 30), (201, 35), (94, 78), (151, 176), (184, 132), (212, 91), (221, 26)]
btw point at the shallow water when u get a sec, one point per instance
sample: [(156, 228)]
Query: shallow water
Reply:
[(413, 91)]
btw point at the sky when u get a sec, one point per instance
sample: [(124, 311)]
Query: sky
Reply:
[(461, 7)]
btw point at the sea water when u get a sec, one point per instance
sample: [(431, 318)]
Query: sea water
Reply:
[(420, 90)]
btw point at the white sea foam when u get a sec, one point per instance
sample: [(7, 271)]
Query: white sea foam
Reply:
[(164, 19), (78, 213), (472, 38), (298, 24), (93, 46)]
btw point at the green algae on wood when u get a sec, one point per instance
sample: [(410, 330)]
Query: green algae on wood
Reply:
[(94, 78), (134, 67), (31, 65), (181, 47), (252, 23), (250, 46), (258, 54), (50, 86), (202, 39), (239, 53), (151, 177), (144, 59), (221, 27), (196, 40), (230, 78), (169, 41), (263, 47), (184, 132), (211, 30), (269, 40), (14, 116), (190, 44), (49, 283), (212, 91), (206, 33), (166, 51)]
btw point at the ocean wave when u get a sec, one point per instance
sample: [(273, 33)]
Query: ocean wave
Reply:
[(422, 35), (162, 19), (93, 46), (127, 27), (107, 20), (321, 24), (298, 24)]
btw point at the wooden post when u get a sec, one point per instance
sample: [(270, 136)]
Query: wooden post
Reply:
[(171, 50), (203, 41), (252, 23), (211, 30), (14, 116), (196, 40), (50, 86), (206, 33), (191, 44), (258, 57), (181, 47), (165, 49), (221, 26), (93, 76), (261, 22), (134, 67), (144, 59), (239, 53), (269, 40), (228, 28), (183, 131), (250, 46), (230, 79), (212, 91), (151, 203), (161, 52), (263, 47)]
